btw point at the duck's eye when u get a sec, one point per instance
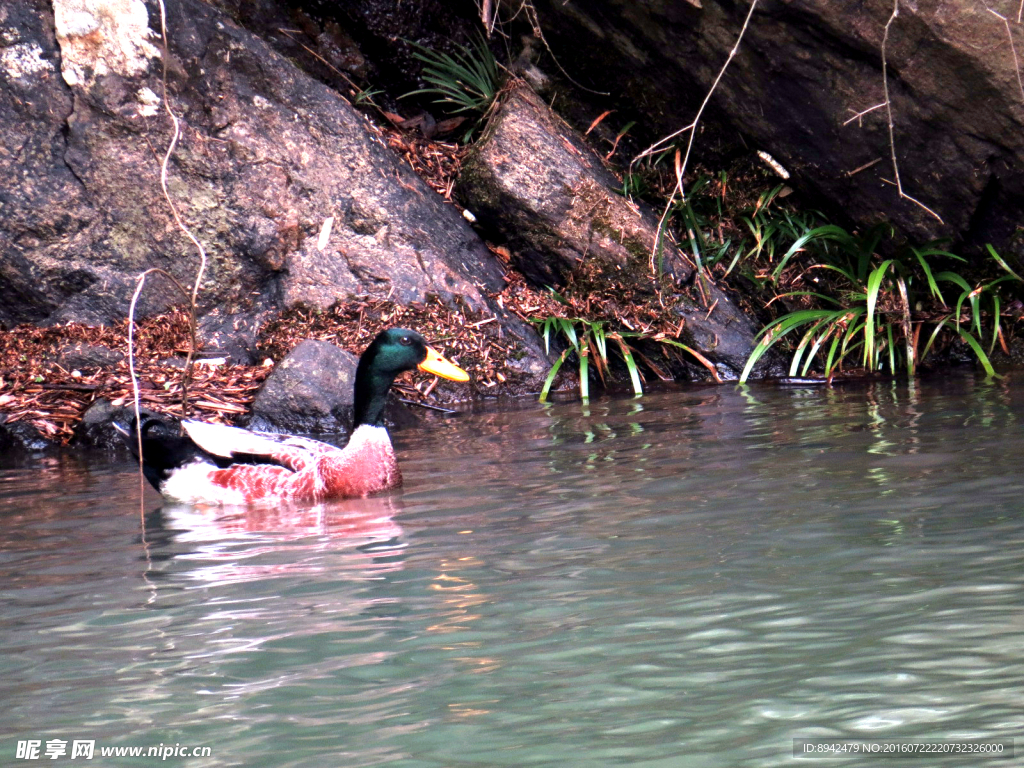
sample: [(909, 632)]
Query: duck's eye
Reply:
[(405, 341)]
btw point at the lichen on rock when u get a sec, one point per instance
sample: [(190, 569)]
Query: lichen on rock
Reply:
[(100, 37)]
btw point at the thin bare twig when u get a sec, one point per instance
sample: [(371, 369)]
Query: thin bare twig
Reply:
[(888, 110), (864, 167), (189, 361), (191, 297), (663, 142), (692, 128), (141, 281), (1013, 48), (859, 115)]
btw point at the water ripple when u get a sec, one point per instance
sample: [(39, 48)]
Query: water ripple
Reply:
[(687, 579)]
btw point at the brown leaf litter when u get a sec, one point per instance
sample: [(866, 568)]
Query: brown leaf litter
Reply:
[(39, 385), (42, 384)]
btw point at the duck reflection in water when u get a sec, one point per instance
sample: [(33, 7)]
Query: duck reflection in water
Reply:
[(357, 537)]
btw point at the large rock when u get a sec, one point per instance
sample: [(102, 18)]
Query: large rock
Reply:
[(804, 69), (20, 438), (96, 429), (78, 355), (534, 179), (293, 193), (42, 204), (311, 391)]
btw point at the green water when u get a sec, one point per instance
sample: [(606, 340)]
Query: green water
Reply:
[(688, 579)]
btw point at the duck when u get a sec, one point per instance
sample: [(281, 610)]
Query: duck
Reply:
[(200, 463)]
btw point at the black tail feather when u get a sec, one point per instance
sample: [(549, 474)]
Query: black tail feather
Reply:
[(165, 446)]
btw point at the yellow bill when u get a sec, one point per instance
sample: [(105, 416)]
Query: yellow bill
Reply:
[(438, 366)]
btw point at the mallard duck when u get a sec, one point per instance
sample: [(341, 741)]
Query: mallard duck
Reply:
[(200, 463)]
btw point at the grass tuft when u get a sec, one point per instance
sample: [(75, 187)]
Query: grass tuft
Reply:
[(465, 83)]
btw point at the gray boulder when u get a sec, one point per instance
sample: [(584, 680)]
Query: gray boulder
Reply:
[(20, 438), (311, 391), (533, 178), (77, 355), (803, 72), (293, 192), (96, 429)]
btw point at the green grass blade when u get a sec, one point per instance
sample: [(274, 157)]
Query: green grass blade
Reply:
[(568, 329), (830, 361), (849, 275), (932, 285), (982, 357), (832, 332), (953, 277), (997, 281), (930, 251), (600, 339), (874, 286), (786, 323), (852, 330), (996, 317), (807, 339), (467, 81), (935, 334), (584, 374), (959, 309), (825, 232), (735, 260), (546, 332), (821, 339), (892, 350), (634, 372), (1001, 263), (776, 330), (820, 296), (551, 376)]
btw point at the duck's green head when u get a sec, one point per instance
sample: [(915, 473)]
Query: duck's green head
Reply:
[(392, 352)]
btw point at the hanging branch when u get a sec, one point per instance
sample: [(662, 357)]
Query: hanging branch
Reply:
[(1013, 48), (190, 297), (190, 360), (679, 189), (136, 397), (888, 111), (858, 117)]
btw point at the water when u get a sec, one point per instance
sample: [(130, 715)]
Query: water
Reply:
[(689, 579)]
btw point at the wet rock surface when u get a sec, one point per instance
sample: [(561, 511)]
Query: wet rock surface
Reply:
[(311, 392), (293, 193), (20, 438), (233, 337), (535, 181), (96, 428), (79, 355), (803, 72)]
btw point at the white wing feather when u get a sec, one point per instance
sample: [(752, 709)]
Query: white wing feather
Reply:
[(224, 441)]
